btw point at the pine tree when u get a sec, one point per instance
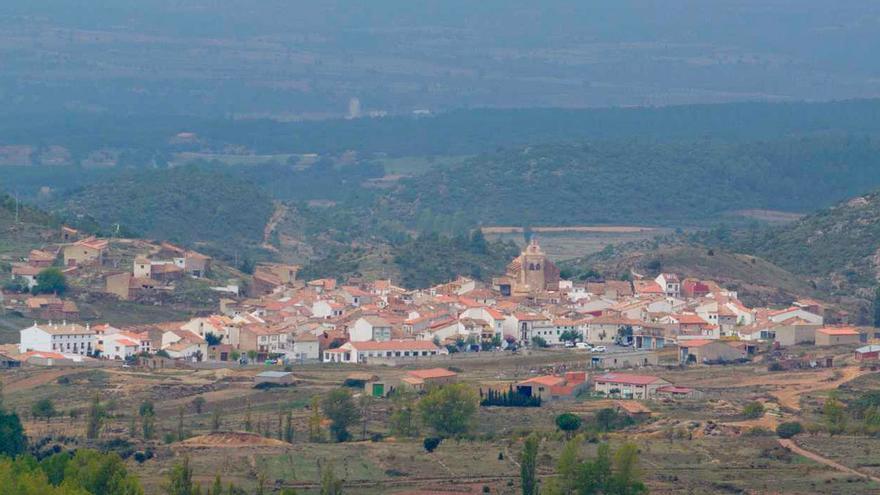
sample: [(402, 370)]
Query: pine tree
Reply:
[(215, 420), (181, 435)]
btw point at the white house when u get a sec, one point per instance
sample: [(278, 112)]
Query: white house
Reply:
[(26, 273), (361, 352), (327, 309), (370, 328), (65, 338), (670, 284), (306, 347), (121, 345), (796, 312)]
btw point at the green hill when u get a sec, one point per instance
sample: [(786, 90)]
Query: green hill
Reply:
[(838, 247), (640, 182), (189, 205)]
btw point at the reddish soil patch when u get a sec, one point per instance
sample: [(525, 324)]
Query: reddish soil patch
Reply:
[(232, 439)]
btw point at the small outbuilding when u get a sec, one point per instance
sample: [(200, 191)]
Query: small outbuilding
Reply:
[(705, 351), (865, 353), (274, 377), (420, 380), (837, 336), (7, 362)]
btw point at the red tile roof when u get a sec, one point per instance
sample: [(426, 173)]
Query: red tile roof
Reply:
[(432, 373), (838, 331)]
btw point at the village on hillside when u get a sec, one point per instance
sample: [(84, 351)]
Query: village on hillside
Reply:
[(621, 324), (682, 364)]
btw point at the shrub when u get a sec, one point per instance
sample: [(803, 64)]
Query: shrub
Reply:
[(788, 430), (753, 410), (431, 443)]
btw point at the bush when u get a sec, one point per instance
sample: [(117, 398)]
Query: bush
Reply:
[(757, 431), (753, 410), (431, 443), (539, 342), (788, 430)]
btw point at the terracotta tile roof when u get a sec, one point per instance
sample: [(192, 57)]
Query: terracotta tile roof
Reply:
[(432, 373), (839, 331), (695, 342)]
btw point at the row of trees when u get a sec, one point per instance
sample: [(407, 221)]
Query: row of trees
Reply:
[(508, 398)]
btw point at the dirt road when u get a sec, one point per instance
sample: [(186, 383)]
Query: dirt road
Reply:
[(789, 395), (792, 446)]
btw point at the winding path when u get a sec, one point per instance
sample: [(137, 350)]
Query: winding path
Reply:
[(792, 446)]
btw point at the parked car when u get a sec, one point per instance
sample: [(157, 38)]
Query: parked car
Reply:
[(569, 343), (583, 345), (599, 348)]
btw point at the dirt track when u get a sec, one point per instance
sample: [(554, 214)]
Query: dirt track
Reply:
[(792, 446), (789, 396)]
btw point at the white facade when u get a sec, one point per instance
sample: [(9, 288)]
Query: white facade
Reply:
[(121, 346), (65, 338), (370, 328)]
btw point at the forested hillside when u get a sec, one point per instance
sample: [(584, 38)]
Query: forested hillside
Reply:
[(148, 140), (642, 182), (186, 205), (838, 247)]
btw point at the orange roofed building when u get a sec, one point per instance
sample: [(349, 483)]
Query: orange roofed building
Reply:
[(550, 387)]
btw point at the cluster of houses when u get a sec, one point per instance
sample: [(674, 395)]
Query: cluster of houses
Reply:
[(376, 322)]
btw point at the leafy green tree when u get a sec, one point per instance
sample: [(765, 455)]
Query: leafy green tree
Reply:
[(215, 420), (450, 409), (147, 413), (12, 438), (595, 474), (625, 480), (181, 434), (339, 407), (180, 479), (44, 408), (834, 416), (569, 423), (100, 473), (789, 429), (94, 419), (217, 487), (568, 467), (198, 404), (403, 418), (316, 434), (431, 443), (330, 484), (288, 427), (50, 281), (753, 410), (877, 307), (529, 465)]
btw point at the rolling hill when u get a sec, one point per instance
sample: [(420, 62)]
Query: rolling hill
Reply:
[(838, 248), (190, 205)]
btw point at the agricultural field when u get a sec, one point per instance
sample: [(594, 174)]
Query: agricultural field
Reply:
[(692, 446)]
